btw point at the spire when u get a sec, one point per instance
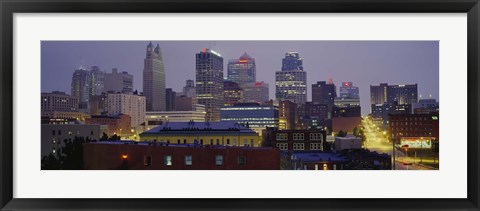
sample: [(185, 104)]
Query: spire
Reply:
[(245, 56), (157, 49)]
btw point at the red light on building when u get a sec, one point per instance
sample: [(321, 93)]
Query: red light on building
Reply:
[(204, 50), (258, 84), (346, 84), (243, 61)]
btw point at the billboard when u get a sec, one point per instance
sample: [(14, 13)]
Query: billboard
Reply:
[(417, 142)]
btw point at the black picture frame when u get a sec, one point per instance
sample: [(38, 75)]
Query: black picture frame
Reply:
[(9, 7)]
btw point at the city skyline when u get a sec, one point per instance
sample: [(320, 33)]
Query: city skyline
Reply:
[(393, 62)]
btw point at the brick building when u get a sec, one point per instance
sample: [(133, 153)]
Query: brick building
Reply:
[(162, 156), (120, 124), (403, 126)]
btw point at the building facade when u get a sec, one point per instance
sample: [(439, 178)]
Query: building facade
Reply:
[(189, 89), (118, 82), (117, 125), (295, 140), (129, 104), (54, 135), (242, 70), (324, 93), (252, 115), (257, 92), (347, 90), (209, 79), (232, 93), (98, 104), (420, 126), (162, 156), (175, 116), (58, 101), (170, 97), (203, 133), (80, 87), (154, 79), (291, 81)]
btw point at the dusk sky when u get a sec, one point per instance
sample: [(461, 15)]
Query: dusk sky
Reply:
[(364, 63)]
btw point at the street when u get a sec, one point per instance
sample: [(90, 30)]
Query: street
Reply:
[(376, 140)]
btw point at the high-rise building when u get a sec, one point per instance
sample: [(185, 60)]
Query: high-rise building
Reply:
[(129, 104), (392, 99), (291, 82), (378, 94), (255, 92), (97, 81), (292, 61), (324, 93), (209, 79), (403, 94), (347, 90), (118, 82), (232, 93), (189, 89), (81, 87), (154, 79), (242, 70), (170, 99), (347, 107)]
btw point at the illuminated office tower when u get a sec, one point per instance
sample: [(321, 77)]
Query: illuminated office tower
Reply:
[(209, 79), (242, 70), (290, 83)]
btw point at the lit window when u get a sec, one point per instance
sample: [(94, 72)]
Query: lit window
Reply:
[(147, 160), (316, 136), (282, 146), (188, 160), (168, 160), (219, 160)]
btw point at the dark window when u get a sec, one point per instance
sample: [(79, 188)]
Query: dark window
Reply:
[(91, 132), (184, 141), (242, 160), (147, 160), (228, 141), (59, 132), (53, 132), (178, 141)]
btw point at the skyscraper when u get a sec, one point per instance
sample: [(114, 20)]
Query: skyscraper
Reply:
[(170, 99), (242, 70), (324, 93), (154, 79), (189, 88), (292, 61), (129, 104), (290, 83), (347, 90), (81, 87), (209, 78), (97, 81)]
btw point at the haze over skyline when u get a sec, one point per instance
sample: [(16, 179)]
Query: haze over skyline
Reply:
[(364, 63)]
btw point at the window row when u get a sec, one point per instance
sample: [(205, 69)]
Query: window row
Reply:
[(188, 160), (299, 136)]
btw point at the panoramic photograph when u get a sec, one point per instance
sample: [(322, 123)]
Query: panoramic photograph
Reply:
[(240, 105)]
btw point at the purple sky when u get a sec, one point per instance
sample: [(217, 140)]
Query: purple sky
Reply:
[(362, 62)]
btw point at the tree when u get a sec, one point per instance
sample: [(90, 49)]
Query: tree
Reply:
[(341, 133), (69, 156), (115, 137), (104, 137)]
